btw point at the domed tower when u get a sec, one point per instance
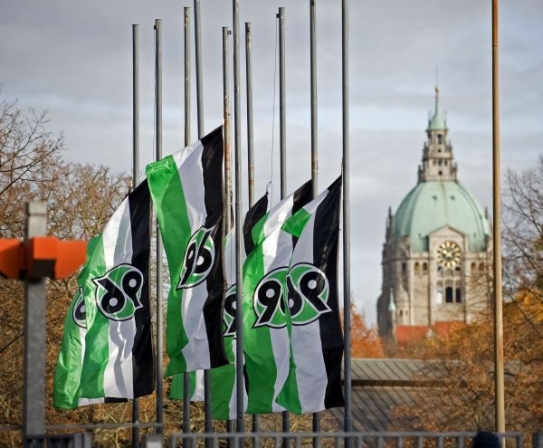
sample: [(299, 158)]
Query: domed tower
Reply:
[(436, 250)]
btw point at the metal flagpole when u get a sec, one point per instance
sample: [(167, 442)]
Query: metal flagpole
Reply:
[(226, 114), (208, 423), (186, 10), (282, 103), (237, 148), (250, 139), (314, 143), (346, 217), (314, 111), (198, 57), (282, 146), (135, 180), (227, 156), (159, 257), (496, 232)]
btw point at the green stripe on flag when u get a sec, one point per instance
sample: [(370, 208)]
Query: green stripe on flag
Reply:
[(97, 338), (167, 193)]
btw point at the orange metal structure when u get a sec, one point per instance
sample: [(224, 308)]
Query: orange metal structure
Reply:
[(41, 257)]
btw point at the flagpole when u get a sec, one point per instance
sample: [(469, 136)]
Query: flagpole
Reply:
[(227, 156), (346, 217), (314, 110), (496, 233), (314, 143), (208, 424), (159, 257), (282, 103), (186, 13), (198, 60), (135, 180), (250, 139), (226, 115), (282, 146), (239, 285)]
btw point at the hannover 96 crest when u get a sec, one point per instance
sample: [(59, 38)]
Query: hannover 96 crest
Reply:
[(307, 293), (198, 260), (229, 317), (78, 311), (118, 292), (268, 300)]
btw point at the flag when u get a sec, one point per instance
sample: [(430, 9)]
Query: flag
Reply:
[(196, 386), (265, 336), (316, 340), (223, 379), (186, 188), (118, 360), (72, 349)]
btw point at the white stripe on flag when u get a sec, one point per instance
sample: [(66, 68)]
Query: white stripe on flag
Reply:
[(118, 375), (277, 249), (198, 394), (189, 162), (118, 381), (196, 352)]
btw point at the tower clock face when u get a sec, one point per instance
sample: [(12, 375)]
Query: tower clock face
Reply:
[(448, 254)]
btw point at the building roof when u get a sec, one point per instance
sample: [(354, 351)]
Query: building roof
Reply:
[(379, 386), (433, 205)]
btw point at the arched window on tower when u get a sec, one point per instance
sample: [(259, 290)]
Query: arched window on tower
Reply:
[(417, 268), (439, 139), (473, 268), (439, 295), (449, 294), (424, 268), (458, 295)]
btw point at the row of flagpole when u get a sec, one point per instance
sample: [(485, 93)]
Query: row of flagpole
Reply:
[(238, 182)]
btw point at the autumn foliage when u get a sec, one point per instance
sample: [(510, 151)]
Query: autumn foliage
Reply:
[(365, 341)]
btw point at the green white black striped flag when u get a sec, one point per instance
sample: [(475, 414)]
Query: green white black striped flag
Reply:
[(186, 188), (316, 339), (265, 335), (72, 349), (223, 379), (196, 384), (118, 356)]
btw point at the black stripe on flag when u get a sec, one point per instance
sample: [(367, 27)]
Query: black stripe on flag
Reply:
[(212, 159), (325, 256), (139, 202), (302, 196), (255, 213)]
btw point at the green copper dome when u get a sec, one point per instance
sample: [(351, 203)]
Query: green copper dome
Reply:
[(431, 206)]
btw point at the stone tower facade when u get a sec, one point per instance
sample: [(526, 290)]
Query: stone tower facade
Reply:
[(436, 254)]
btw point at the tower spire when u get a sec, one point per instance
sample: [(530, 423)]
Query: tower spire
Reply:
[(437, 158)]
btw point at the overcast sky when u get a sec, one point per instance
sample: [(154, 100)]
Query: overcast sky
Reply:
[(75, 60)]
